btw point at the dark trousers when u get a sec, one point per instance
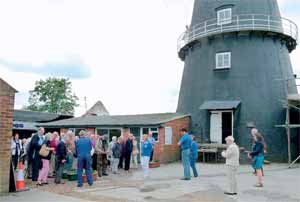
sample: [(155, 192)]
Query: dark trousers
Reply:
[(15, 159), (94, 163), (121, 161), (127, 161), (36, 165), (59, 168), (84, 163), (151, 157)]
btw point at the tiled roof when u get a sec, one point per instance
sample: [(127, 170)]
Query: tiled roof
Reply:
[(120, 120)]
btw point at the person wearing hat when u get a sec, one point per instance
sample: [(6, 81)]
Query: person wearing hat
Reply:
[(232, 155)]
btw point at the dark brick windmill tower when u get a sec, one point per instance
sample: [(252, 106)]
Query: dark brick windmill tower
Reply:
[(237, 70)]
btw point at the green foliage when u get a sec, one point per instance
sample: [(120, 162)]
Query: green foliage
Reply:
[(53, 95)]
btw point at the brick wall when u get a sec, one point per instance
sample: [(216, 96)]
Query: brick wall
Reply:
[(7, 96), (168, 153)]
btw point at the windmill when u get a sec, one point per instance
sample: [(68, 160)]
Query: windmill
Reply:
[(235, 52)]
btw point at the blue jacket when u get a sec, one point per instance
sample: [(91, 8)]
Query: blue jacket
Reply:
[(194, 150), (83, 147), (185, 141), (147, 148), (258, 149)]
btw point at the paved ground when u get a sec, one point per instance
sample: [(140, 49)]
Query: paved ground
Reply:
[(281, 185)]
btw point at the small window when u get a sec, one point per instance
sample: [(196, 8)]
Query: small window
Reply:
[(154, 131), (224, 16), (223, 60)]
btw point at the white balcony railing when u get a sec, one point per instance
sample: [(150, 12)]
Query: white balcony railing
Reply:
[(239, 23)]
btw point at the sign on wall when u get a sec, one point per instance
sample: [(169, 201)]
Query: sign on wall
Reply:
[(168, 135)]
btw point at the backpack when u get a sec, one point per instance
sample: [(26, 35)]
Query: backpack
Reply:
[(116, 150)]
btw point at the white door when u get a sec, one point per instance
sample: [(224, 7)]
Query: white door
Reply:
[(216, 127)]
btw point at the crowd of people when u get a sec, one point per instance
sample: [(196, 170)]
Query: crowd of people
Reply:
[(48, 155)]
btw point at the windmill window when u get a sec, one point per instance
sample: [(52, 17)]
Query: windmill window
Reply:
[(223, 60), (224, 16)]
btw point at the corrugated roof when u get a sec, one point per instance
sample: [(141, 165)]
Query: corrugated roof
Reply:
[(121, 120), (30, 116), (217, 104)]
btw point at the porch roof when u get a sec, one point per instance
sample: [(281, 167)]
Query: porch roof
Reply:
[(219, 105)]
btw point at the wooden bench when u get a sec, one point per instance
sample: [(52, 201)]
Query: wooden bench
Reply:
[(209, 151)]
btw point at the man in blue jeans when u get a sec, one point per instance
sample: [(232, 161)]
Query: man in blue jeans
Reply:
[(83, 148), (185, 143)]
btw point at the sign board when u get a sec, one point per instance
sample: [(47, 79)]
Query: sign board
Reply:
[(168, 135)]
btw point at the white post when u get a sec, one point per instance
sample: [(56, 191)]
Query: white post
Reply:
[(253, 21), (205, 24), (193, 33), (269, 23), (237, 22)]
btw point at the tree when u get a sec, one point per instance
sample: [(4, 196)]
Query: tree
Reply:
[(53, 95)]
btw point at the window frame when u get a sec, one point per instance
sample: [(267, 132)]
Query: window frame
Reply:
[(223, 55), (224, 21), (149, 129), (108, 129)]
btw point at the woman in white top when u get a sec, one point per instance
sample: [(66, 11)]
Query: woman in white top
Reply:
[(16, 148)]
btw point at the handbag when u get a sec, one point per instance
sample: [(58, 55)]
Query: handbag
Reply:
[(44, 152)]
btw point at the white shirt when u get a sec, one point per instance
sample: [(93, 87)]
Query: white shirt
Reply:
[(13, 147), (232, 155)]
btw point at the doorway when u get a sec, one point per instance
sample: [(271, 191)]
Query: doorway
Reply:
[(221, 125)]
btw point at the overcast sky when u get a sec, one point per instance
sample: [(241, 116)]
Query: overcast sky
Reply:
[(120, 52)]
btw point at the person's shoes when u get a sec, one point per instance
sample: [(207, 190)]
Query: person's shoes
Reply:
[(185, 178), (79, 185), (91, 184), (259, 185), (39, 184), (105, 174), (196, 176), (51, 176), (45, 183), (231, 194), (59, 183)]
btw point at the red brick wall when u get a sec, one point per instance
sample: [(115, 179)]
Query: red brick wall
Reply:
[(7, 97), (168, 153)]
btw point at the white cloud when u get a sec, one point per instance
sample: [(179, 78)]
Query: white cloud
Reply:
[(129, 46)]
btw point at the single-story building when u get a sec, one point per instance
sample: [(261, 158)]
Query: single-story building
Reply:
[(24, 122), (165, 128)]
